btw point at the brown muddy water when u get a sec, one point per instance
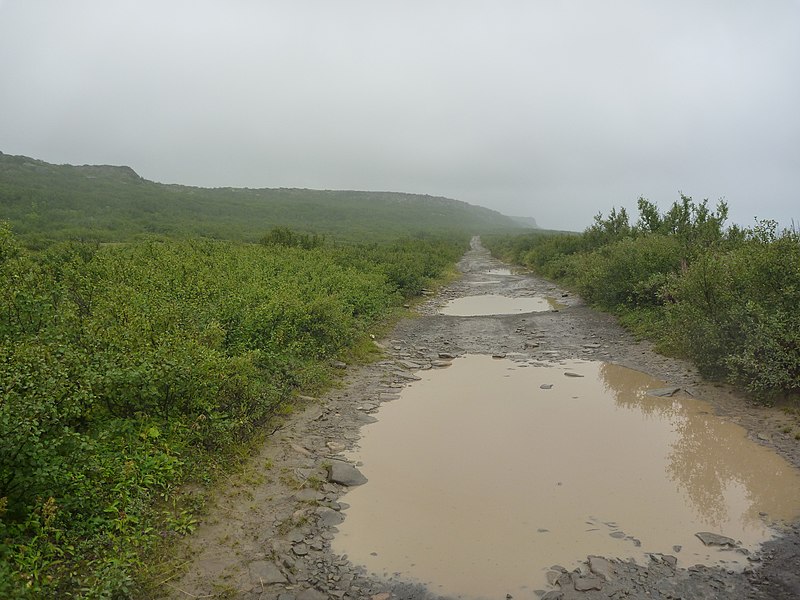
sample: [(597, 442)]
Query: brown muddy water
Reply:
[(494, 304), (480, 479)]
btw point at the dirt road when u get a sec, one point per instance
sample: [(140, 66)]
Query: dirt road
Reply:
[(268, 533)]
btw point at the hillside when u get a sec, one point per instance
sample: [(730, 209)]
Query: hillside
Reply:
[(44, 202)]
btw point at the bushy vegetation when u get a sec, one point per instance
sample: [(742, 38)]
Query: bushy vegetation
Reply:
[(727, 298), (127, 370)]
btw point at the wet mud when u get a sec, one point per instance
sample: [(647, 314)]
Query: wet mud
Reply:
[(280, 530)]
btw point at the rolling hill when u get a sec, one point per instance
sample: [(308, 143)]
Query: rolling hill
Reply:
[(45, 202)]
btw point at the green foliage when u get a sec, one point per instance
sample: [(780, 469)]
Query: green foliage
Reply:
[(725, 298), (46, 203), (629, 272), (736, 313), (127, 369)]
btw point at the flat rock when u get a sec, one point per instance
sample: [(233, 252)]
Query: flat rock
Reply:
[(406, 376), (546, 386), (601, 567), (666, 392), (336, 447), (572, 374), (586, 583), (408, 364), (311, 594), (714, 539), (345, 474), (300, 549), (265, 571), (307, 495), (617, 534), (329, 517)]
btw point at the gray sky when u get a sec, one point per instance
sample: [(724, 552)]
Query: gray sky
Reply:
[(554, 109)]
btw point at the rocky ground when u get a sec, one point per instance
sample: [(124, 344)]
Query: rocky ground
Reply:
[(267, 535)]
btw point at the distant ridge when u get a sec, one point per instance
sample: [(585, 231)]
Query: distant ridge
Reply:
[(106, 203), (529, 222)]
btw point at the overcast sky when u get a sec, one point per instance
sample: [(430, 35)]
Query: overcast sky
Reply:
[(554, 109)]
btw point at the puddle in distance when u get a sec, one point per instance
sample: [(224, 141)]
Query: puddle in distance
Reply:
[(494, 304), (479, 480), (499, 271)]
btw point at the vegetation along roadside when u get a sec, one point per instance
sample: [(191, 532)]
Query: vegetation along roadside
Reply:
[(722, 296), (130, 370)]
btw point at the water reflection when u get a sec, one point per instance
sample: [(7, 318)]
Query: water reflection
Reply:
[(484, 474), (494, 304), (720, 471)]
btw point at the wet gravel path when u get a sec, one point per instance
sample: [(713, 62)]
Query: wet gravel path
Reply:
[(267, 535)]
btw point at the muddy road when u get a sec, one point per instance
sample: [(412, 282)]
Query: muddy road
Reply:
[(271, 532)]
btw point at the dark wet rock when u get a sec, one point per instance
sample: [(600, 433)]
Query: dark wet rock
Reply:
[(587, 582), (571, 374), (714, 539), (345, 474), (329, 517), (667, 392), (365, 418), (265, 572), (617, 534), (546, 386)]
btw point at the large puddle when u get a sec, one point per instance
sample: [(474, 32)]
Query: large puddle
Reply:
[(495, 304), (482, 476)]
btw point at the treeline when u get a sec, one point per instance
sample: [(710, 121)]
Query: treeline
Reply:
[(128, 370), (727, 298)]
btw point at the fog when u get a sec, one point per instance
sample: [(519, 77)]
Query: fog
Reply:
[(548, 109)]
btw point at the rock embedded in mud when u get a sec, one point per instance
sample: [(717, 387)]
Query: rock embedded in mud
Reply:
[(667, 392), (714, 539), (345, 474), (602, 567), (585, 583), (571, 374)]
